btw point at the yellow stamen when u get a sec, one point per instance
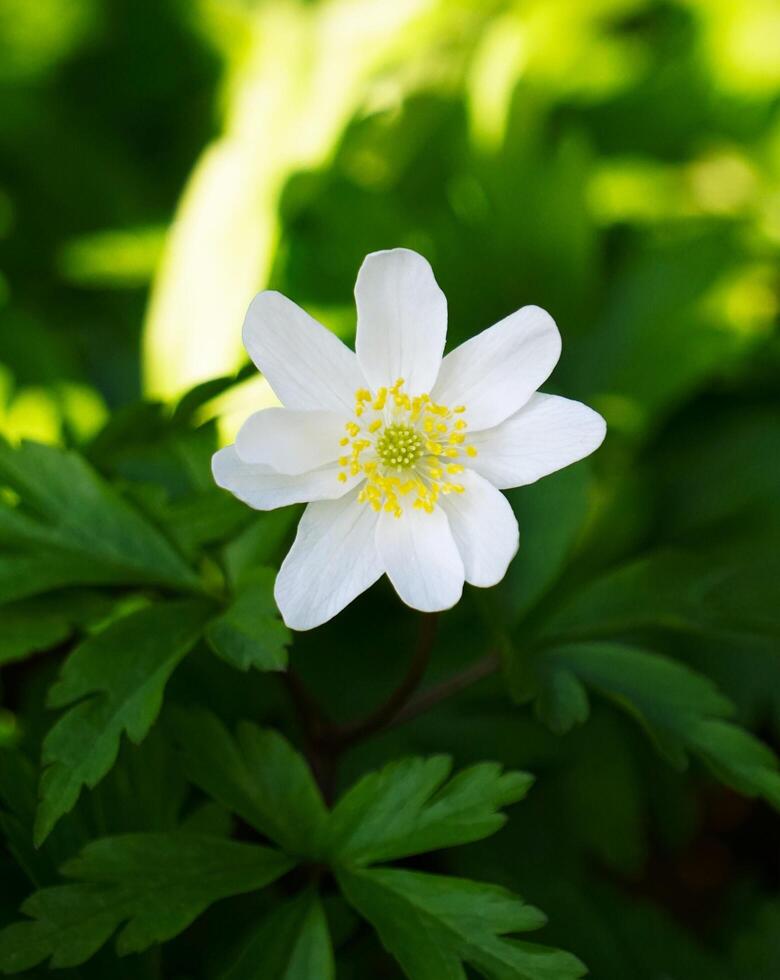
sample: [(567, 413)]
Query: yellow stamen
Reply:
[(403, 458)]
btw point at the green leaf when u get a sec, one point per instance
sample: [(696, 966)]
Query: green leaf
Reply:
[(250, 633), (562, 701), (261, 543), (191, 401), (738, 758), (551, 514), (118, 677), (155, 883), (203, 518), (258, 775), (682, 711), (409, 807), (716, 592), (72, 528), (32, 625), (434, 925), (291, 943)]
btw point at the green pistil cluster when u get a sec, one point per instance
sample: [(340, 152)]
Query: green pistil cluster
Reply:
[(400, 446)]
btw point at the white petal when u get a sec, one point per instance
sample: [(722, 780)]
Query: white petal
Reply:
[(495, 373), (307, 366), (549, 433), (264, 489), (421, 558), (402, 320), (484, 528), (333, 559), (290, 441)]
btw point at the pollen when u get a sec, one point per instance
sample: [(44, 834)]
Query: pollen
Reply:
[(399, 446), (405, 447)]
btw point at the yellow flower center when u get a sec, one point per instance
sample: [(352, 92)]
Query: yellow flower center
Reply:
[(404, 446), (400, 446)]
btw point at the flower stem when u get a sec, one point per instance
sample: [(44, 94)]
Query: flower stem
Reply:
[(383, 716), (425, 700), (326, 741)]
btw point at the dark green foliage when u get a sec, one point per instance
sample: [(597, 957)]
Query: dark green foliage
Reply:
[(74, 529), (249, 633), (155, 884), (292, 943), (160, 883), (258, 775), (125, 668), (411, 807), (433, 925), (681, 710), (43, 622)]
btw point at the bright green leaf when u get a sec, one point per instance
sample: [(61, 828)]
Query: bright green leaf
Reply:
[(117, 677), (155, 883), (434, 925), (409, 807)]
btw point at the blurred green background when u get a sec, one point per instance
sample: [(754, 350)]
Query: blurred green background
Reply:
[(615, 161)]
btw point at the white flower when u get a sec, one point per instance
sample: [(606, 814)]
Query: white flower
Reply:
[(401, 454)]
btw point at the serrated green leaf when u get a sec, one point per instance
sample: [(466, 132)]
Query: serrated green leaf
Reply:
[(72, 528), (250, 633), (434, 925), (258, 775), (409, 807), (659, 690), (156, 884), (118, 677), (291, 943), (682, 711)]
